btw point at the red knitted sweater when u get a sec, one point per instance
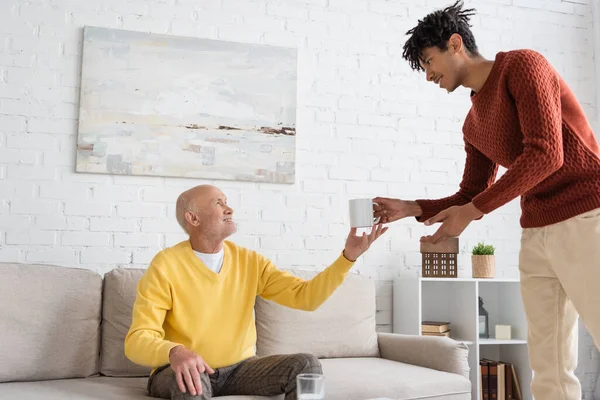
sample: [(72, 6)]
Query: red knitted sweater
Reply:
[(526, 119)]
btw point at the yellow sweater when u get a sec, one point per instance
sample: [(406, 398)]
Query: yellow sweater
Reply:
[(181, 301)]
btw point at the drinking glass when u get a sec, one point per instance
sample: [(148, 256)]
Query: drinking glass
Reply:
[(310, 387)]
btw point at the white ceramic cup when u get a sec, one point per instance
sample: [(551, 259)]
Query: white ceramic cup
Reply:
[(361, 213)]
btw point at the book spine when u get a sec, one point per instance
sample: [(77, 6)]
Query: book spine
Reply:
[(493, 381), (509, 391), (485, 380)]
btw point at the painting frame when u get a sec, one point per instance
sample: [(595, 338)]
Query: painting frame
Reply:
[(173, 106)]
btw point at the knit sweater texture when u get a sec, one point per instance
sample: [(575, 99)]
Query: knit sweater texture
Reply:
[(526, 119)]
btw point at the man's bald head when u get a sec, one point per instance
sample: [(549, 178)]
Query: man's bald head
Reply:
[(190, 200), (207, 200)]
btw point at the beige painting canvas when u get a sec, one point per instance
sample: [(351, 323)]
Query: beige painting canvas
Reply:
[(161, 105)]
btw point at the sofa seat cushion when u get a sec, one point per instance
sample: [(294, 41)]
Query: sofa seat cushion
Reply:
[(366, 378), (93, 388), (345, 379)]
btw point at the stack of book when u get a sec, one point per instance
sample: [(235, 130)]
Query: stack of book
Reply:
[(498, 381), (435, 328)]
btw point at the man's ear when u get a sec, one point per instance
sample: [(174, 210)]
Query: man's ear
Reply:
[(191, 218), (455, 43)]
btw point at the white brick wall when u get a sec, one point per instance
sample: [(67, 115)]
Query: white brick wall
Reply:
[(367, 126)]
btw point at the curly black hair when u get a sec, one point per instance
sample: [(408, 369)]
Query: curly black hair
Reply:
[(435, 30)]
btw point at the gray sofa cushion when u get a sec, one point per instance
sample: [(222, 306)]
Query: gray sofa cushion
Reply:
[(50, 322), (118, 298), (344, 326), (367, 378), (95, 388), (345, 379)]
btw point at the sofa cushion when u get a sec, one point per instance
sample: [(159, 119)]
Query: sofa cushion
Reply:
[(345, 379), (95, 388), (118, 297), (50, 322), (344, 325), (366, 378)]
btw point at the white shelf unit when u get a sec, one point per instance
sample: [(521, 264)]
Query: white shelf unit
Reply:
[(456, 300)]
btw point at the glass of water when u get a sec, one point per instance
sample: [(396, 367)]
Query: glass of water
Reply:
[(310, 387)]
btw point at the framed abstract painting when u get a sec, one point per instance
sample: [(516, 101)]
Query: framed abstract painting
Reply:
[(160, 105)]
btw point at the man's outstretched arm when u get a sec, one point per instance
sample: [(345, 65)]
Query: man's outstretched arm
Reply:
[(288, 290)]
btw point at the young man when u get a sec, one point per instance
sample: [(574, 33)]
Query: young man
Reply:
[(524, 117), (193, 313)]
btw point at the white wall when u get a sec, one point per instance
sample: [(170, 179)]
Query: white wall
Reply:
[(367, 126)]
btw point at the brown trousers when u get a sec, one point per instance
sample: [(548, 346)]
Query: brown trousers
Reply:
[(560, 281), (262, 376)]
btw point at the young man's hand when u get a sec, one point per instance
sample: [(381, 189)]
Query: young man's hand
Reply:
[(357, 245), (390, 210), (454, 221), (188, 366)]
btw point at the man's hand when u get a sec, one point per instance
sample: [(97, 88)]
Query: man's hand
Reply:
[(357, 245), (188, 366), (454, 221), (390, 210)]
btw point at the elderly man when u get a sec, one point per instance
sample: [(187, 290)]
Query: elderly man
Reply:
[(193, 314)]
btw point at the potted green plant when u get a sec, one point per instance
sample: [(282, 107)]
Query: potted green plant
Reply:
[(483, 261)]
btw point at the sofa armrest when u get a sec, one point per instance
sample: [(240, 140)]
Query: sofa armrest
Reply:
[(440, 353)]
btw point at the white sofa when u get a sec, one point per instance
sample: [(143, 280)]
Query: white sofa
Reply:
[(62, 332)]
